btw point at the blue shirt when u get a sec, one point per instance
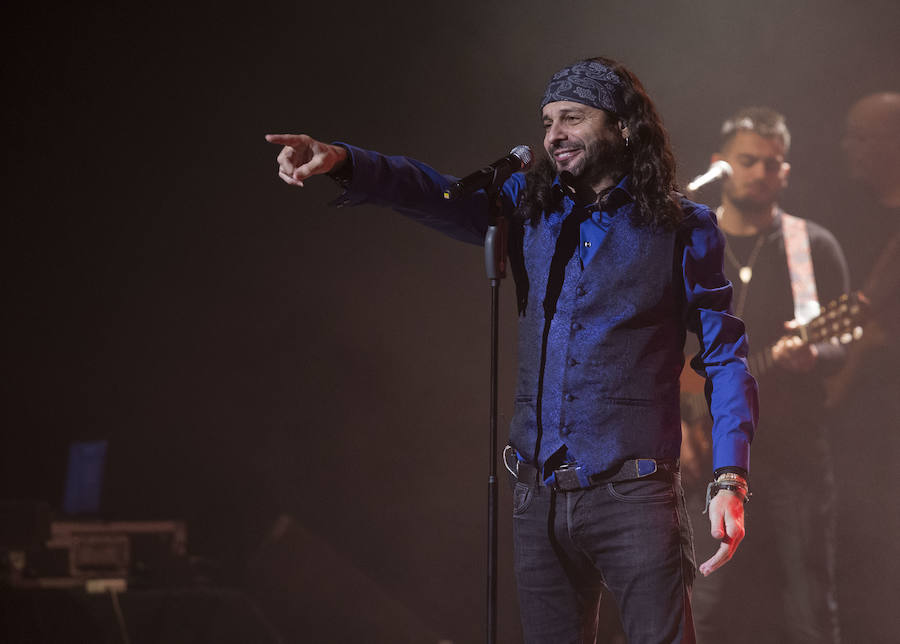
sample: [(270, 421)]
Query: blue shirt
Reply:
[(592, 232), (594, 228), (591, 408)]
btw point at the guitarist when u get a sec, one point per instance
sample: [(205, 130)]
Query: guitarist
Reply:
[(785, 586)]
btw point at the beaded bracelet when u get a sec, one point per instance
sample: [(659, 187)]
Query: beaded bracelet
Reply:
[(731, 477), (737, 488)]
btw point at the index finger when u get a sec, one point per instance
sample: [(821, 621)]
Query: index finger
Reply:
[(723, 554), (288, 139)]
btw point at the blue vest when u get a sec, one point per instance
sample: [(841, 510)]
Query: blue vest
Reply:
[(601, 375)]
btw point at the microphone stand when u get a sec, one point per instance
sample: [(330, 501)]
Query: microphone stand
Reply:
[(495, 265)]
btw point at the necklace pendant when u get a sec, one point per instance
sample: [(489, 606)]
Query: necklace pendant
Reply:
[(746, 274)]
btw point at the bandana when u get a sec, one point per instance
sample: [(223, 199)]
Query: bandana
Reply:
[(587, 82)]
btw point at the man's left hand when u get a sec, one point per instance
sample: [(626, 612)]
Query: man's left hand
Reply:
[(726, 523)]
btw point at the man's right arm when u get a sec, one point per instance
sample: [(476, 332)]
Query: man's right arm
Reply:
[(303, 157), (410, 187)]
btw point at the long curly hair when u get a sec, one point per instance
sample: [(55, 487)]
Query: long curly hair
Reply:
[(648, 160)]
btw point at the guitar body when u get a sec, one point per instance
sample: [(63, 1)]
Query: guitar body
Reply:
[(841, 322)]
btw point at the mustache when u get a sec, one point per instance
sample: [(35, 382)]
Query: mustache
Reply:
[(564, 148)]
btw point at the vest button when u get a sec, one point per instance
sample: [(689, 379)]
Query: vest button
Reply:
[(565, 430), (570, 397), (572, 362), (579, 291), (575, 326)]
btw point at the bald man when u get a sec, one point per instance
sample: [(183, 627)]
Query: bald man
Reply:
[(872, 145), (866, 392)]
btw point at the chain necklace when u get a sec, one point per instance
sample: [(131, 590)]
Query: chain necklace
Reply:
[(744, 269)]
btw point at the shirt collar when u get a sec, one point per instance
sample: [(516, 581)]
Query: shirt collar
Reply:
[(618, 196), (611, 200)]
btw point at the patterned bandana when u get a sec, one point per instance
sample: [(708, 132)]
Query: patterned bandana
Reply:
[(589, 83)]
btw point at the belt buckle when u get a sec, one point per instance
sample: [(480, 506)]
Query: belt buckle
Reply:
[(566, 478)]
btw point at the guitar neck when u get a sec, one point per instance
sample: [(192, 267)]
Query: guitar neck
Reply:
[(839, 323)]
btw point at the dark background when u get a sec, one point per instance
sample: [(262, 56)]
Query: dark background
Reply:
[(247, 350)]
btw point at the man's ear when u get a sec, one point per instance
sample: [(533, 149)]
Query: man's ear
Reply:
[(784, 173)]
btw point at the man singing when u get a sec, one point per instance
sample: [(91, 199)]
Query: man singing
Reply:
[(612, 267)]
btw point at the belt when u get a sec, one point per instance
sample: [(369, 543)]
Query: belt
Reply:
[(566, 478)]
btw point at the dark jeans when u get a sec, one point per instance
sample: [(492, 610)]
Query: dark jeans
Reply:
[(631, 537)]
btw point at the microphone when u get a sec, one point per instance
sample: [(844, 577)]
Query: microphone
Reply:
[(519, 158), (716, 171)]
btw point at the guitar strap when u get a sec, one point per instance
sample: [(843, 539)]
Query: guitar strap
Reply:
[(800, 267)]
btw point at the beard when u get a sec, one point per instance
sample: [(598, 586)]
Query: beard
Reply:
[(602, 158), (763, 200)]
